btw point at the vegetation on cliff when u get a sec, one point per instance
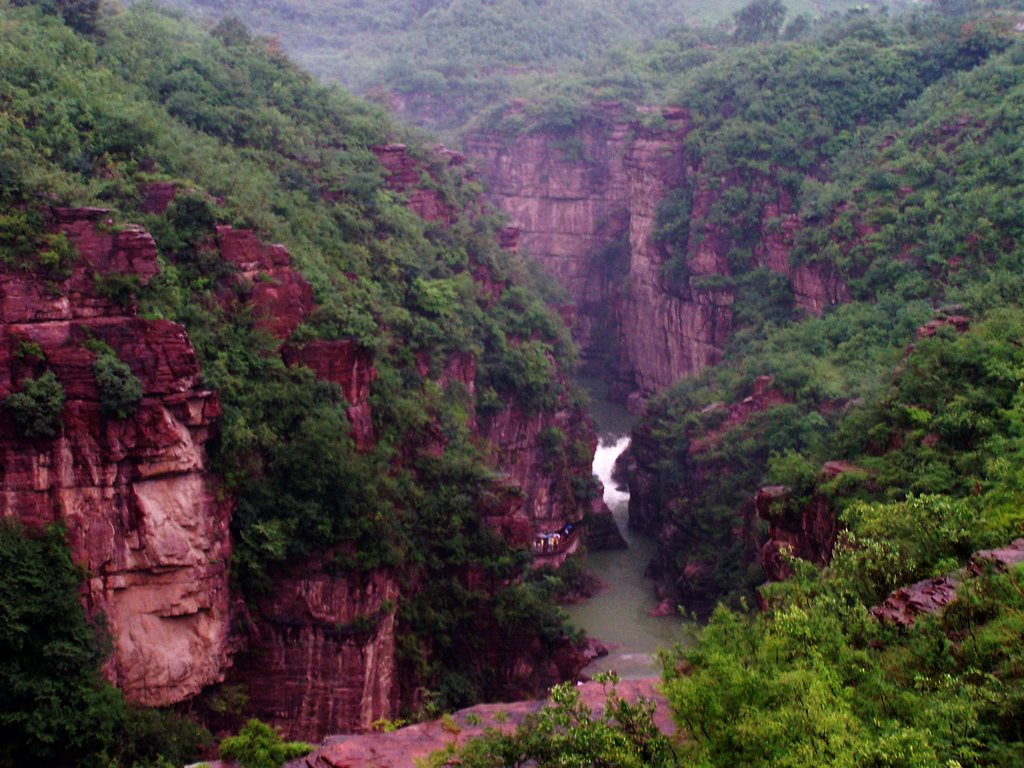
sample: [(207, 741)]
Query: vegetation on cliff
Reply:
[(906, 184), (249, 140), (915, 214)]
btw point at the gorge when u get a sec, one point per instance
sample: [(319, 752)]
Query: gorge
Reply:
[(291, 423)]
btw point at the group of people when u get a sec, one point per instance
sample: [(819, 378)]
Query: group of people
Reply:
[(550, 543)]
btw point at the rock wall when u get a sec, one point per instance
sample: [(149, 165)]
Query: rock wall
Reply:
[(321, 655), (141, 510), (568, 198), (807, 531), (317, 654), (585, 203), (320, 650), (544, 498)]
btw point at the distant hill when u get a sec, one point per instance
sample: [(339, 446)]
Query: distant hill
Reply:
[(467, 53)]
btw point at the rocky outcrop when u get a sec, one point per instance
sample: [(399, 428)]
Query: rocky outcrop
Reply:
[(546, 499), (279, 297), (142, 514), (664, 336), (407, 175), (804, 530), (931, 596), (407, 747), (321, 648)]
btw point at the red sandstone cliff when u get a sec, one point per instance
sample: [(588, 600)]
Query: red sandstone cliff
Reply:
[(140, 507), (320, 652), (807, 531), (585, 204)]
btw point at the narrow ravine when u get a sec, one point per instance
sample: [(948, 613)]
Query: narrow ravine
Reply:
[(619, 615)]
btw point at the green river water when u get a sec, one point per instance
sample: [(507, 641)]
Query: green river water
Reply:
[(618, 616)]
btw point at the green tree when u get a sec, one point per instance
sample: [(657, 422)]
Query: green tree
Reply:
[(120, 389), (258, 745), (80, 15), (37, 407), (760, 20)]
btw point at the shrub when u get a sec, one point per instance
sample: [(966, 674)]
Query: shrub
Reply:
[(258, 745), (120, 389), (36, 409)]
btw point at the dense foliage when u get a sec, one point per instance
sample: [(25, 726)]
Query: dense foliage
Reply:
[(880, 166), (252, 141), (36, 409), (257, 745), (815, 680), (445, 61)]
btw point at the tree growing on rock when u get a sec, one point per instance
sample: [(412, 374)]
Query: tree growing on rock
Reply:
[(758, 21)]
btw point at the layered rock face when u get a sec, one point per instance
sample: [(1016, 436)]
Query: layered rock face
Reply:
[(586, 206), (141, 509), (569, 200), (318, 652), (145, 519), (544, 499), (322, 653)]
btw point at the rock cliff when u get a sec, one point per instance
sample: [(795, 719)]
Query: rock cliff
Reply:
[(317, 654), (805, 530), (141, 509), (321, 652), (586, 204), (321, 649), (697, 556)]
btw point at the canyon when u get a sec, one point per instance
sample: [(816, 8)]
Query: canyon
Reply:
[(144, 514), (586, 204)]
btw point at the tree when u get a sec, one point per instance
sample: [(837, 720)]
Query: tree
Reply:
[(81, 15), (120, 389), (37, 408), (761, 20)]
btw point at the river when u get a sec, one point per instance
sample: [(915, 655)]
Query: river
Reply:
[(618, 616)]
